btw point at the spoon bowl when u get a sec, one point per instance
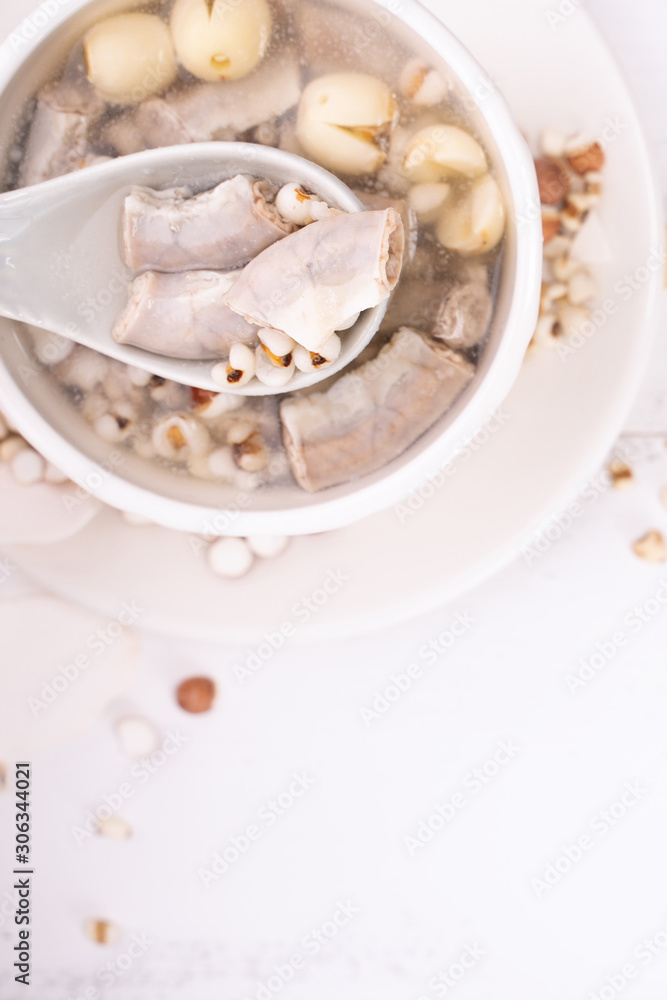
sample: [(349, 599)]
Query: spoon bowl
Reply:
[(61, 267)]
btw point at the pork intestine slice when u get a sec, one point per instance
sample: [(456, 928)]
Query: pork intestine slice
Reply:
[(455, 312), (371, 415), (207, 111), (182, 315), (211, 109), (151, 125), (58, 141), (374, 201), (311, 282), (218, 229)]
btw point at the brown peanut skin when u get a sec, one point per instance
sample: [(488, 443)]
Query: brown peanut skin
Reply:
[(196, 694), (553, 180), (584, 161)]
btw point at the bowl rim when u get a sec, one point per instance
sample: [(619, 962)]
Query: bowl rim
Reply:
[(326, 514)]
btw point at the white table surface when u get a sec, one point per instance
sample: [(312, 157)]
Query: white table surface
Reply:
[(507, 679)]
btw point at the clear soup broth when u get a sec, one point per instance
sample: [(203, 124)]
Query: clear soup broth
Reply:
[(356, 93)]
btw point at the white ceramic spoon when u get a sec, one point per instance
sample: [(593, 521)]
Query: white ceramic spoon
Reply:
[(60, 249)]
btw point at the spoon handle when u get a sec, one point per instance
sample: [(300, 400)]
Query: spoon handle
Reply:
[(58, 253), (17, 276)]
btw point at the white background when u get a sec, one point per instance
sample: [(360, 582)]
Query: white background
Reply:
[(505, 680)]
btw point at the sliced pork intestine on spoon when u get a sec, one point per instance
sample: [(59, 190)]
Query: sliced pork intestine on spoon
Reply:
[(58, 141), (310, 283), (206, 111), (182, 315), (218, 229), (371, 415)]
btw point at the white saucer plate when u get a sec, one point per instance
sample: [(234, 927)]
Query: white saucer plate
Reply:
[(558, 424)]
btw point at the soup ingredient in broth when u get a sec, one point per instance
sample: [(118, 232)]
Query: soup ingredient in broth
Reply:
[(219, 40), (260, 282), (427, 200), (457, 313), (182, 315), (58, 141), (129, 57), (342, 120), (207, 111), (439, 152), (371, 415), (464, 317), (474, 224), (334, 38), (180, 436), (311, 282), (224, 110), (217, 229), (422, 84)]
